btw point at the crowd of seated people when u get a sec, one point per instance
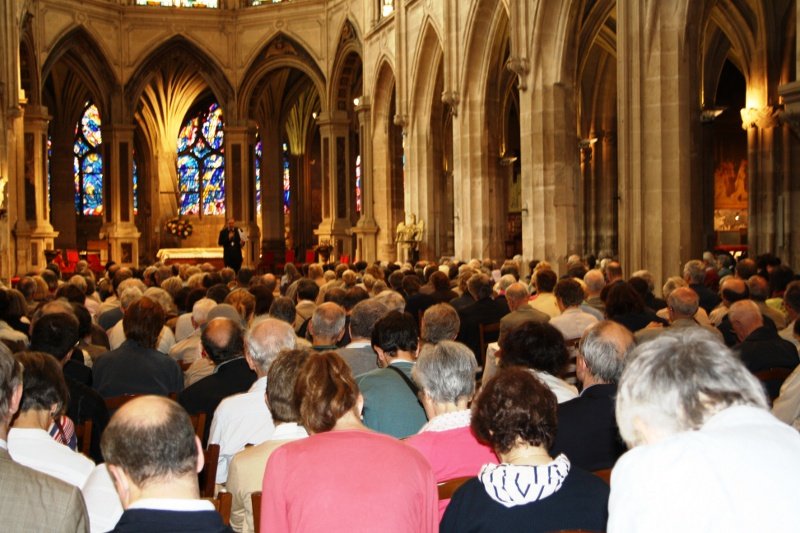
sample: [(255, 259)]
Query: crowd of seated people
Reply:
[(346, 393)]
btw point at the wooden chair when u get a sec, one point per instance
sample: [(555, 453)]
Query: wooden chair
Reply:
[(569, 374), (773, 378), (223, 504), (199, 425), (255, 500), (447, 488), (115, 402), (208, 476), (83, 432), (604, 474), (488, 333)]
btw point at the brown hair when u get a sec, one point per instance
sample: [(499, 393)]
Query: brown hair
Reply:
[(515, 405), (143, 321), (243, 301), (324, 391), (282, 377)]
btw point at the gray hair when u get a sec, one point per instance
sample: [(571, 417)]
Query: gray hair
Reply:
[(594, 281), (683, 301), (604, 348), (440, 322), (647, 276), (677, 381), (79, 281), (695, 270), (328, 320), (128, 296), (517, 292), (446, 371), (162, 298), (393, 300), (363, 317), (200, 310), (671, 284), (266, 339), (759, 288)]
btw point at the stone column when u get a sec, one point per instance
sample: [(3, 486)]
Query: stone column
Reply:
[(33, 230), (118, 222), (607, 208), (762, 152), (658, 118), (240, 180), (335, 225), (366, 228), (273, 241)]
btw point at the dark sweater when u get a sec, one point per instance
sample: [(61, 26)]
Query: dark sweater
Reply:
[(580, 503)]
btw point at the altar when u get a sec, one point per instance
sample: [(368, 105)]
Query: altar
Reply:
[(191, 256)]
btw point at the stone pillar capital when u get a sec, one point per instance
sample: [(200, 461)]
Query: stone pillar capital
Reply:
[(762, 117)]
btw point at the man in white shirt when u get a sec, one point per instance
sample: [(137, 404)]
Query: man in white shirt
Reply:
[(153, 457), (706, 454), (243, 418), (572, 321)]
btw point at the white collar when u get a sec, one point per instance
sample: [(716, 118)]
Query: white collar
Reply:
[(288, 430), (359, 344), (512, 485), (447, 421), (172, 504)]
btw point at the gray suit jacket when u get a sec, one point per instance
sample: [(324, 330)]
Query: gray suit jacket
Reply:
[(361, 360), (33, 501), (525, 313)]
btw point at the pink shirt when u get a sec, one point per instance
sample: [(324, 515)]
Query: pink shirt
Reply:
[(452, 454), (348, 481)]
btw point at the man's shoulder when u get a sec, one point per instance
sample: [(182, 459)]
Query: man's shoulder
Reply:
[(31, 486)]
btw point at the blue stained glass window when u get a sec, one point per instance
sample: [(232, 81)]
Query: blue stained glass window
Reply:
[(201, 163), (135, 188), (88, 163), (259, 151), (287, 189)]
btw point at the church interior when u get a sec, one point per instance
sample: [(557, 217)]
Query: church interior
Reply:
[(648, 131)]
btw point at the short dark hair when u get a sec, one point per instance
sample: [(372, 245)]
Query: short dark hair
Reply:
[(515, 406), (791, 297), (353, 296), (395, 331), (746, 268), (534, 345), (622, 299), (440, 281), (222, 340), (10, 376), (71, 293), (545, 280), (281, 377), (151, 448), (218, 292), (43, 382), (283, 308), (325, 391), (56, 334), (143, 321), (264, 299), (335, 295), (570, 292), (307, 290)]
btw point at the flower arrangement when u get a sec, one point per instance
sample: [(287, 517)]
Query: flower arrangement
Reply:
[(179, 227)]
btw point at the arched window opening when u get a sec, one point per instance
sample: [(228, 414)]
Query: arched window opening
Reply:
[(88, 163), (201, 163), (259, 150), (358, 184), (387, 7)]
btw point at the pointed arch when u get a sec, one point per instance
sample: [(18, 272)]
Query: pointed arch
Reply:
[(179, 50), (347, 68), (82, 53)]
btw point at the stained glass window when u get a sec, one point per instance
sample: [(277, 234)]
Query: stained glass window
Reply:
[(179, 3), (135, 188), (358, 183), (287, 188), (259, 150), (265, 2), (88, 163), (201, 163)]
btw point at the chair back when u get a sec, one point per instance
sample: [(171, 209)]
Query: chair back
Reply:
[(208, 475), (83, 432), (447, 488), (255, 500), (604, 474), (488, 333), (223, 504), (199, 425)]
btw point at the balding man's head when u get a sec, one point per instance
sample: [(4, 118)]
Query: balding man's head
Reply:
[(603, 349), (150, 442), (745, 317), (595, 282), (327, 324), (682, 303), (222, 340), (733, 290), (759, 288), (516, 295)]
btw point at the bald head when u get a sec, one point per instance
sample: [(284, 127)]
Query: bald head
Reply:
[(516, 295), (595, 282), (682, 303), (152, 441), (745, 317), (222, 340), (759, 288), (603, 349)]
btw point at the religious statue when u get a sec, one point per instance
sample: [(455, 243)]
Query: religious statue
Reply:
[(409, 235)]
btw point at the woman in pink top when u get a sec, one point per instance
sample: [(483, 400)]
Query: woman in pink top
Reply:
[(446, 374), (344, 477)]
